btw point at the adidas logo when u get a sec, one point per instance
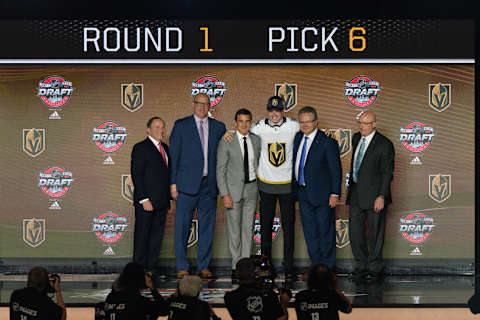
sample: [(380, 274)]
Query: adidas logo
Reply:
[(108, 161), (55, 206), (54, 116), (416, 252), (416, 161), (109, 252)]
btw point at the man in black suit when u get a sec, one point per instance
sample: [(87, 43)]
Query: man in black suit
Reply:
[(151, 197), (369, 194)]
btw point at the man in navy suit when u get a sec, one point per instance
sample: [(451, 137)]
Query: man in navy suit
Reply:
[(193, 150), (151, 196), (317, 176)]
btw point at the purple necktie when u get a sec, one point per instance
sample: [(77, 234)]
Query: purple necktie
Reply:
[(202, 136)]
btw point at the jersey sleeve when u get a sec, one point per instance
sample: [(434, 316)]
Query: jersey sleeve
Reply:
[(342, 305), (233, 307), (273, 306), (53, 310)]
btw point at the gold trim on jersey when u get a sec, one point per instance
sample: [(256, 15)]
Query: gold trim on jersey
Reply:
[(274, 182)]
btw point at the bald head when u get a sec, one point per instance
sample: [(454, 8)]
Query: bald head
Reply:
[(368, 123), (201, 104)]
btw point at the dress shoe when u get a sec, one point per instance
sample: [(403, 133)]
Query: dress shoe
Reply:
[(182, 273), (206, 274)]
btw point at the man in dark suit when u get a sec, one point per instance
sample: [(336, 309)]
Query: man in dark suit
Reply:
[(193, 149), (369, 194), (317, 176), (151, 196)]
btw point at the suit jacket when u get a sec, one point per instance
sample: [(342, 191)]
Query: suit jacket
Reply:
[(187, 155), (150, 174), (376, 171), (323, 169), (230, 172)]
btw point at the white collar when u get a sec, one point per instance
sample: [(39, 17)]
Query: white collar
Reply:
[(241, 136), (198, 119), (370, 136), (311, 135), (155, 142)]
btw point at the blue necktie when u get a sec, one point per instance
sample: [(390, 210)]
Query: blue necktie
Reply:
[(301, 173), (358, 161)]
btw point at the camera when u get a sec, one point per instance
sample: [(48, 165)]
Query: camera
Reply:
[(52, 277), (264, 273)]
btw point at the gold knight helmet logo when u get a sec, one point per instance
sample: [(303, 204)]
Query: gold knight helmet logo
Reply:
[(440, 187), (193, 236), (439, 96), (344, 139), (34, 231), (277, 153), (33, 141), (289, 94), (132, 96), (127, 187), (341, 233)]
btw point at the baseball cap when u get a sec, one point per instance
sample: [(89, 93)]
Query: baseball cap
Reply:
[(276, 103)]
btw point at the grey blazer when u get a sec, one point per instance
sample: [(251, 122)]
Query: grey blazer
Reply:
[(230, 173)]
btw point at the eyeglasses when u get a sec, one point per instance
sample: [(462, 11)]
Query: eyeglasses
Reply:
[(307, 122), (365, 123), (205, 104)]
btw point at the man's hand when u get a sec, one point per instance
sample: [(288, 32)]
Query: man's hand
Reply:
[(170, 210), (379, 204), (149, 280), (147, 205), (173, 191), (227, 201), (228, 136), (56, 284), (333, 200)]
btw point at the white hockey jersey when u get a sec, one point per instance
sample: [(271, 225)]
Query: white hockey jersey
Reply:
[(275, 164)]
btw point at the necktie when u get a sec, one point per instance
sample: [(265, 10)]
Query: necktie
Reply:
[(162, 152), (246, 170), (359, 159), (202, 136), (301, 173)]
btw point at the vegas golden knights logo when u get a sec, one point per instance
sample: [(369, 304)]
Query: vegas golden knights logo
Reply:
[(33, 141), (132, 96), (341, 233), (344, 139), (440, 187), (193, 236), (34, 231), (439, 96), (127, 187), (289, 94), (277, 153)]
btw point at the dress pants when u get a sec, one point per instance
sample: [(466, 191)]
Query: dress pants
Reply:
[(318, 224), (148, 235), (206, 214), (268, 205)]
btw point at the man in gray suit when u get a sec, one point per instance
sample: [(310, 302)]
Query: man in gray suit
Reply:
[(237, 163)]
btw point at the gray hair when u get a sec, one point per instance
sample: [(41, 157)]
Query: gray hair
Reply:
[(308, 109), (190, 286)]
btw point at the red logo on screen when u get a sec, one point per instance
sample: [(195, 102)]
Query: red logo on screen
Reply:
[(416, 227), (416, 136), (55, 181), (55, 91), (362, 91), (109, 136), (212, 87), (257, 234), (109, 227)]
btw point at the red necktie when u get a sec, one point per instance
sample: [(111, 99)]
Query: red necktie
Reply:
[(162, 151)]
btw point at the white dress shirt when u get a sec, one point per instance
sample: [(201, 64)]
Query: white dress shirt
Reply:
[(311, 136), (251, 167), (367, 143)]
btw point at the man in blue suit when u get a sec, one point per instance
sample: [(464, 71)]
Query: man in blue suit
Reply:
[(193, 152), (317, 176)]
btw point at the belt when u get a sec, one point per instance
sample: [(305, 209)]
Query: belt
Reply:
[(204, 177), (251, 181)]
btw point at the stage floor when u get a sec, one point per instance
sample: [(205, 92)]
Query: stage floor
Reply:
[(392, 291)]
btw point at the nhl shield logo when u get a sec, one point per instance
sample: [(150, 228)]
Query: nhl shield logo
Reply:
[(127, 187), (132, 96), (439, 96), (289, 94), (193, 236), (34, 231), (440, 187), (33, 141), (277, 153), (344, 139), (341, 233)]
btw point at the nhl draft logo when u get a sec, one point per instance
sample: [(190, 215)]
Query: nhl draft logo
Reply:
[(109, 227), (254, 304), (257, 233), (289, 94), (440, 187), (132, 96), (341, 233), (277, 153), (416, 227), (362, 91), (439, 96), (109, 137), (344, 139), (33, 141), (55, 181), (193, 235), (416, 137), (34, 231), (55, 92), (212, 87), (127, 187)]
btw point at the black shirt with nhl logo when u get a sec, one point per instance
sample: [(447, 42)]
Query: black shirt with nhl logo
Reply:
[(247, 302), (319, 305), (125, 305), (31, 304), (188, 308)]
